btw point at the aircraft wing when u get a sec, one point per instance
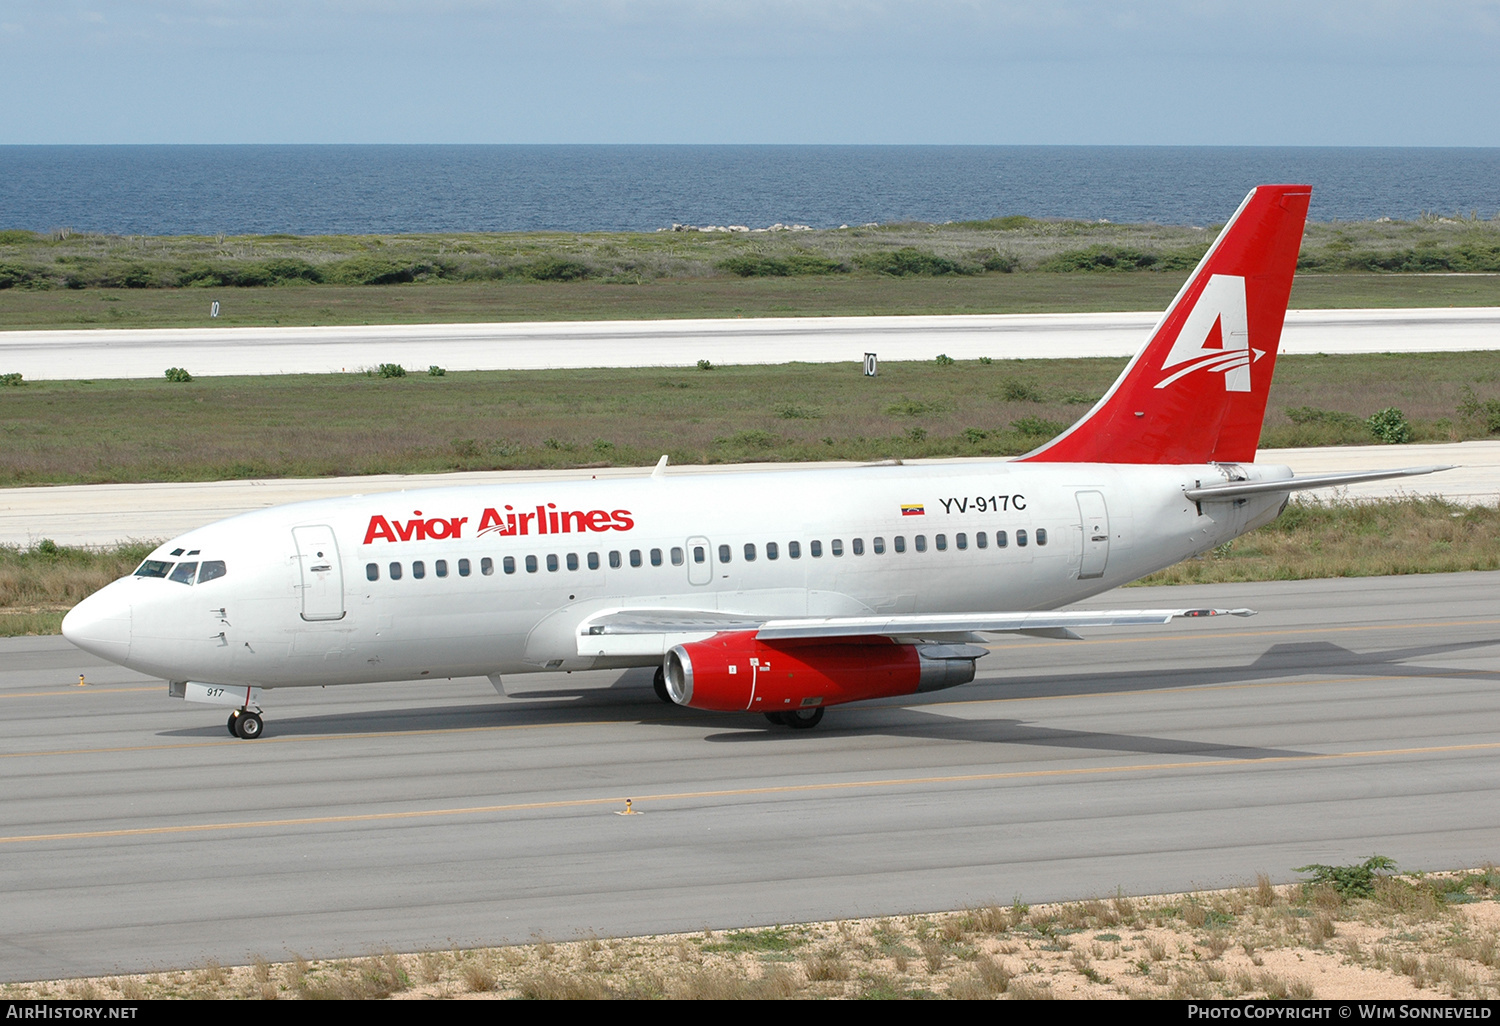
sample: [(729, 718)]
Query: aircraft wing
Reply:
[(645, 631), (1242, 489)]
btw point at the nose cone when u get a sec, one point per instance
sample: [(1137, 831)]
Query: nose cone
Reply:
[(100, 624)]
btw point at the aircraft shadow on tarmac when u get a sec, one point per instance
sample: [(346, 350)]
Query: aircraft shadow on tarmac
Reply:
[(629, 699)]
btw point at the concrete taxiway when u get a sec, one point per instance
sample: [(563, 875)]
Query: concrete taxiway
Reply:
[(107, 514), (1349, 717), (146, 353)]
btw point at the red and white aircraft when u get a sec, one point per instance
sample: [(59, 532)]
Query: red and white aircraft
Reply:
[(776, 593)]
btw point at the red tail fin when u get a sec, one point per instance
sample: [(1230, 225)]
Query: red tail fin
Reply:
[(1197, 391)]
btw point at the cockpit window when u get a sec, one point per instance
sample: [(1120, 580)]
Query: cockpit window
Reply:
[(184, 573), (211, 569), (153, 568)]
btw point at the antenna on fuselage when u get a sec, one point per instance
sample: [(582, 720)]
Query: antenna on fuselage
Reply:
[(661, 467)]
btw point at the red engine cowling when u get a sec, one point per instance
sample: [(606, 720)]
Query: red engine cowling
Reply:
[(734, 671)]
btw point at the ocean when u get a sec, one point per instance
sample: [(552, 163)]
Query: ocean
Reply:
[(309, 190)]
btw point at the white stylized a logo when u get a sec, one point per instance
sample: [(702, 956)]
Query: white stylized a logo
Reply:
[(1221, 303)]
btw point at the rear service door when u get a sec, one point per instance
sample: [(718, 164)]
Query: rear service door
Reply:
[(1095, 517), (322, 574)]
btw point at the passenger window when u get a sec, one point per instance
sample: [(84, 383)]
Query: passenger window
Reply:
[(572, 561), (552, 562), (372, 571), (418, 569), (879, 546), (635, 557), (749, 552), (723, 553), (1021, 539), (857, 546), (1041, 536), (815, 549), (677, 555), (614, 559), (837, 546), (153, 568), (656, 557), (700, 554), (941, 541), (463, 568), (794, 549), (531, 564), (184, 573), (921, 541), (1001, 540), (900, 543), (772, 551), (213, 569), (440, 568), (508, 564), (395, 569), (961, 540), (593, 560)]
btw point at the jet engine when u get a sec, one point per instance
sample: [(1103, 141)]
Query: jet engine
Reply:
[(736, 671)]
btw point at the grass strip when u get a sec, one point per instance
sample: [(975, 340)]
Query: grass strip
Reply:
[(320, 425)]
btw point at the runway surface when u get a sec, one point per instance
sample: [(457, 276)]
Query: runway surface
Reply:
[(106, 514), (146, 353), (1350, 717)]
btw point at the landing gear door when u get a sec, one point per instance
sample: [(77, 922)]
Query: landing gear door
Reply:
[(322, 573), (1095, 519), (700, 561)]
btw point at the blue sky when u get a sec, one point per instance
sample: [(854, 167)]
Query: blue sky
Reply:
[(1270, 72)]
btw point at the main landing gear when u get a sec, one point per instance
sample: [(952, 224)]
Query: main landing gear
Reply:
[(797, 719), (245, 724)]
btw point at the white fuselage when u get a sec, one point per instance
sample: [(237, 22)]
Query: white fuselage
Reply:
[(309, 594)]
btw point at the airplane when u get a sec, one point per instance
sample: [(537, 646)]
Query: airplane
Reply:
[(779, 593)]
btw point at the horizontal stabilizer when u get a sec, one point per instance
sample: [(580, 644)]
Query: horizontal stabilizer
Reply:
[(1244, 489)]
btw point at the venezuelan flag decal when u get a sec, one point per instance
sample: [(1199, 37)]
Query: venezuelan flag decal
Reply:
[(913, 509)]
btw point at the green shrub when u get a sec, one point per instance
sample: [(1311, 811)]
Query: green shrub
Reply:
[(14, 275), (944, 360), (986, 360), (705, 365), (1036, 426), (391, 370), (555, 269), (1357, 881), (178, 374), (754, 265), (435, 371), (910, 261), (1485, 411), (18, 237), (1015, 391), (1390, 426), (975, 435), (1118, 258), (373, 271), (13, 379)]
